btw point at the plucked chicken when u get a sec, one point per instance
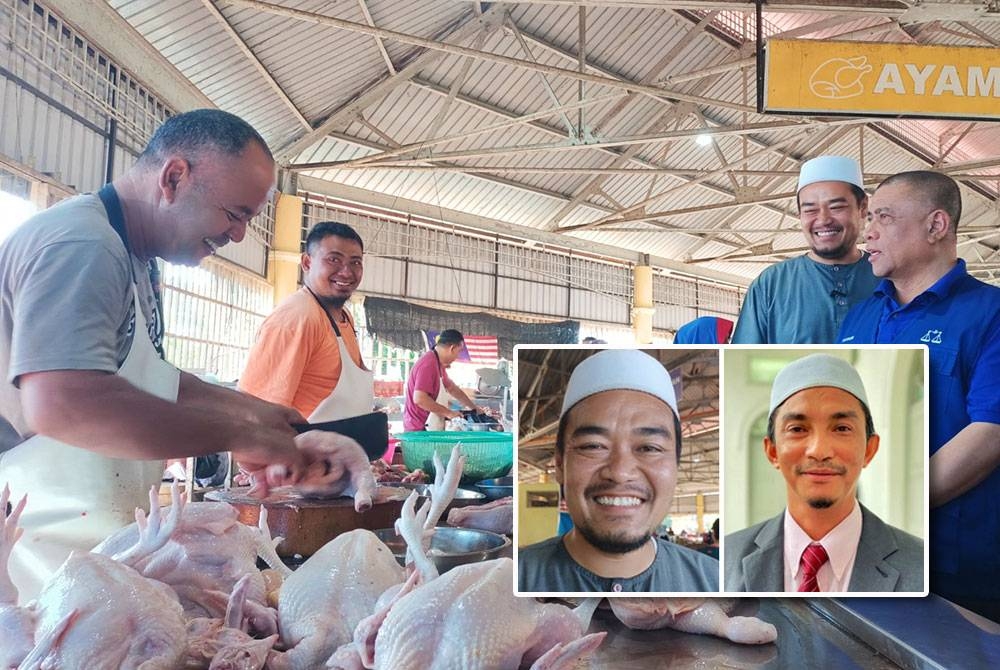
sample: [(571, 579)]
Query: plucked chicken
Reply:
[(704, 616)]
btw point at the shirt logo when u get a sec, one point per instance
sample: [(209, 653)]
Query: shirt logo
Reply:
[(932, 336)]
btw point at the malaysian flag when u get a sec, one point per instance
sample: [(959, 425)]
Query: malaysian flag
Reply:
[(478, 349)]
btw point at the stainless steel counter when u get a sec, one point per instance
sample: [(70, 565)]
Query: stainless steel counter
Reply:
[(806, 639), (919, 632)]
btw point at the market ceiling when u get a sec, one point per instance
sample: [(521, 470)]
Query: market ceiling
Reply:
[(621, 127)]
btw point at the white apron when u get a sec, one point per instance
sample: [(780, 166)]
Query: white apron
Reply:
[(354, 393), (76, 498), (436, 421)]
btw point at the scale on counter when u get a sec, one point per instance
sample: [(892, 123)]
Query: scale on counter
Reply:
[(494, 383)]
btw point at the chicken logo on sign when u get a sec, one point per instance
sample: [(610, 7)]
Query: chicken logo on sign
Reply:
[(840, 78)]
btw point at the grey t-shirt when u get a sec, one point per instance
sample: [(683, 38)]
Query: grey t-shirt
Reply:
[(801, 301), (547, 566), (66, 300)]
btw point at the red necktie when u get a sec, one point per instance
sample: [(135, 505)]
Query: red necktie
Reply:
[(812, 560)]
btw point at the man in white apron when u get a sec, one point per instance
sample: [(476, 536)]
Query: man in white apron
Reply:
[(306, 355), (80, 343), (427, 382)]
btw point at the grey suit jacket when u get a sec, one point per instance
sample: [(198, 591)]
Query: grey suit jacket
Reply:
[(888, 559)]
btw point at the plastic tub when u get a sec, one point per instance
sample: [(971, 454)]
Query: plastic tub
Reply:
[(487, 455)]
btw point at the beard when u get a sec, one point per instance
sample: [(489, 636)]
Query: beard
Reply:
[(336, 302), (820, 503), (843, 251), (613, 543)]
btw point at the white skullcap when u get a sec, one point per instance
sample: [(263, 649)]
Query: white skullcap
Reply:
[(619, 370), (812, 371), (830, 168)]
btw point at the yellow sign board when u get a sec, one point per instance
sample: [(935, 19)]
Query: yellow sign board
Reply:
[(884, 79)]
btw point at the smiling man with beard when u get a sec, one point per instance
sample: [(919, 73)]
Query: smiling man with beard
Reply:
[(804, 300), (820, 435), (306, 355), (617, 449)]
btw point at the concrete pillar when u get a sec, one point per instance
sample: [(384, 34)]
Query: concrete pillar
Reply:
[(699, 501), (642, 308), (283, 263), (39, 195)]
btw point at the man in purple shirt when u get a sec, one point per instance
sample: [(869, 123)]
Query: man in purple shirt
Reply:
[(426, 379)]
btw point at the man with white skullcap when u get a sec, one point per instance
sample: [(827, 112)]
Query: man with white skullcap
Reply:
[(820, 435), (804, 300), (617, 449)]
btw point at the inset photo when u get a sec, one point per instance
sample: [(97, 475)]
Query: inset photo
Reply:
[(825, 470), (618, 470)]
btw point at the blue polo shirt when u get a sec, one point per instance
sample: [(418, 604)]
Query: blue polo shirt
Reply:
[(958, 318)]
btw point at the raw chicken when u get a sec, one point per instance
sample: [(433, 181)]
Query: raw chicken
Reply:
[(692, 615), (340, 467), (98, 613), (323, 601), (496, 516), (337, 466), (17, 624), (469, 618), (209, 552), (219, 644), (386, 473)]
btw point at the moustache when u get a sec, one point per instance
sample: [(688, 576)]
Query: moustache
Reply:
[(835, 468)]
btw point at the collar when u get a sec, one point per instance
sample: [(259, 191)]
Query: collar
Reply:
[(841, 543), (939, 289), (847, 264)]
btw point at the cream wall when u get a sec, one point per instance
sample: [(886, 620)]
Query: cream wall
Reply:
[(892, 485), (535, 523)]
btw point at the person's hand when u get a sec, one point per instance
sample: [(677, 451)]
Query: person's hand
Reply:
[(268, 458), (453, 414)]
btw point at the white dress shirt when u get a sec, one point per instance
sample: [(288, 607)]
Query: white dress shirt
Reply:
[(841, 545)]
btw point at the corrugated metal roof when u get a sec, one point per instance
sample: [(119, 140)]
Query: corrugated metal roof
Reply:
[(322, 69)]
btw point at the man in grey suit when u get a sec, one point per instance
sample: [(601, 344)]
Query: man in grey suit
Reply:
[(820, 435)]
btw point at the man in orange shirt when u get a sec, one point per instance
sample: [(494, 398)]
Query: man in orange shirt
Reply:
[(306, 355)]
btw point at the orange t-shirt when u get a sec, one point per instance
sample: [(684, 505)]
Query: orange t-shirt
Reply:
[(295, 360)]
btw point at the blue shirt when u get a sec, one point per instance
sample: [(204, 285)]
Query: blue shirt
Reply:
[(801, 301), (958, 318)]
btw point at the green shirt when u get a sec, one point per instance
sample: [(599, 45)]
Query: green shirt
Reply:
[(800, 301), (547, 566)]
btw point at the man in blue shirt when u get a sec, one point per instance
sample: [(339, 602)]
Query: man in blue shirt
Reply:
[(927, 296), (805, 299)]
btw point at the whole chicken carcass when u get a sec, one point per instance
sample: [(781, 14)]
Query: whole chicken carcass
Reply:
[(496, 516), (324, 600), (469, 618), (692, 615), (99, 613), (338, 467), (204, 558)]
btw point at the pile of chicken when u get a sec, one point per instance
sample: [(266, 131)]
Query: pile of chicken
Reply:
[(180, 589)]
